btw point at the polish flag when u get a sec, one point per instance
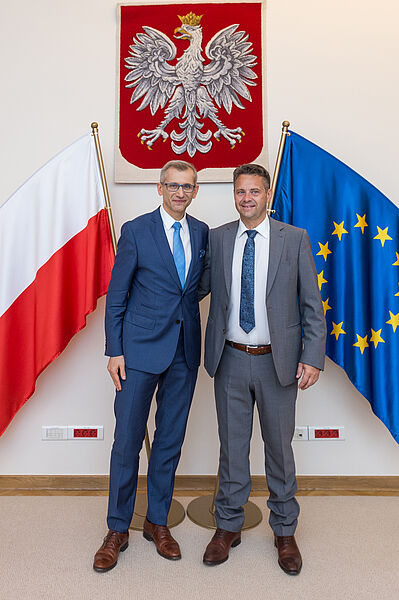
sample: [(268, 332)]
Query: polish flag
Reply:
[(56, 258)]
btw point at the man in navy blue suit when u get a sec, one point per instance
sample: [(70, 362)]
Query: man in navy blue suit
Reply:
[(153, 337)]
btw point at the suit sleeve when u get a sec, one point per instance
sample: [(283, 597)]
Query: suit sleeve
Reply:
[(118, 291), (311, 308), (204, 286)]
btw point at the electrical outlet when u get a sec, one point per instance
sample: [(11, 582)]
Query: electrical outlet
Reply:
[(54, 432), (301, 433), (322, 433)]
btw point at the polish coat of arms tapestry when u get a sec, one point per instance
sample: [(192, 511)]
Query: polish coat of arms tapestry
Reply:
[(191, 86)]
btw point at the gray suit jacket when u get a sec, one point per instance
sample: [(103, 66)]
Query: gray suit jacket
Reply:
[(294, 309)]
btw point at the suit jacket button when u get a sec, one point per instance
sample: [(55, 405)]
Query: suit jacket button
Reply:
[(224, 331), (177, 321)]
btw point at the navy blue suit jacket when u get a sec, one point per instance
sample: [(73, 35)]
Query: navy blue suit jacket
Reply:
[(145, 300)]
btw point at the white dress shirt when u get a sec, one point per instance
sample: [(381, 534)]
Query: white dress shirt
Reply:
[(168, 222), (260, 334)]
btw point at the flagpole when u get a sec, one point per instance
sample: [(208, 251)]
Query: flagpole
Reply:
[(94, 128), (176, 512), (284, 133)]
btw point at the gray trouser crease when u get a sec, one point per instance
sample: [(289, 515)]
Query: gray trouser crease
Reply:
[(241, 381)]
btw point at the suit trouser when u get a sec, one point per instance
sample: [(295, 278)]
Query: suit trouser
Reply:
[(132, 405), (240, 381)]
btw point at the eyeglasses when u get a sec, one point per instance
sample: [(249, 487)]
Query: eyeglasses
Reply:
[(187, 188)]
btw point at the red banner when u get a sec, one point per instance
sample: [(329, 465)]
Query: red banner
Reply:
[(190, 84)]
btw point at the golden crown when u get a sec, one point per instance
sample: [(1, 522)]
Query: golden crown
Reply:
[(190, 19)]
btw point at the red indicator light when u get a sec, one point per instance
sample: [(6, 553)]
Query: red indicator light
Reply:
[(85, 433), (326, 433)]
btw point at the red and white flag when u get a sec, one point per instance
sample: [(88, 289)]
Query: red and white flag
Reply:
[(56, 258)]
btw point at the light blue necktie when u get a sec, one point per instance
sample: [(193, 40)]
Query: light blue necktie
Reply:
[(178, 253), (247, 311)]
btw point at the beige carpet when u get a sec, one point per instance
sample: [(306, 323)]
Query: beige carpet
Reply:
[(349, 546)]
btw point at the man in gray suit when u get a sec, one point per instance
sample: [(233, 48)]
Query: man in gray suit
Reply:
[(265, 337)]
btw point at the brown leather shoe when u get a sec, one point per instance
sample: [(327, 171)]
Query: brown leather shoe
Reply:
[(163, 540), (106, 557), (217, 551), (289, 557)]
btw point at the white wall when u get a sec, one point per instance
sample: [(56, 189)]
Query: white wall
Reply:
[(332, 71)]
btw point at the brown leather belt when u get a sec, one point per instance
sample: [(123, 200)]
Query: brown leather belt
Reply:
[(250, 349)]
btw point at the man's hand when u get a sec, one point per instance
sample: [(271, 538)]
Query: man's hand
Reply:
[(116, 367), (309, 375)]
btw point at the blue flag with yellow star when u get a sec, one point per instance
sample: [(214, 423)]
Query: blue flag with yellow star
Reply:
[(354, 231)]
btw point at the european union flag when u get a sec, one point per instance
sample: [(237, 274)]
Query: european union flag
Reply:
[(354, 230)]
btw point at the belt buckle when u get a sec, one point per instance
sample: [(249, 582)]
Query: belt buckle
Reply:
[(250, 346)]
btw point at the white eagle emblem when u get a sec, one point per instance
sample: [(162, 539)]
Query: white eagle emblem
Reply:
[(193, 90)]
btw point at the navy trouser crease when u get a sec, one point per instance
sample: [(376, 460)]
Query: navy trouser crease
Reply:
[(132, 406)]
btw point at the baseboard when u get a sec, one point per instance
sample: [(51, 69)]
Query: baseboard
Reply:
[(195, 485)]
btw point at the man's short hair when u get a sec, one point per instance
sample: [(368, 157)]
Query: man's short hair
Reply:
[(252, 169), (179, 165)]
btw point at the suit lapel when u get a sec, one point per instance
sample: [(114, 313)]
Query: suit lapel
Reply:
[(275, 251), (160, 239), (194, 242), (229, 236)]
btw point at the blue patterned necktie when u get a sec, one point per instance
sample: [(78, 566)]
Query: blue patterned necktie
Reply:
[(247, 311), (178, 253)]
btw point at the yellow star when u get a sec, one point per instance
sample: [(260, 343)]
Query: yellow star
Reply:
[(396, 264), (326, 307), (361, 222), (394, 321), (361, 343), (324, 251), (382, 235), (398, 292), (321, 279), (376, 337), (337, 330), (339, 230)]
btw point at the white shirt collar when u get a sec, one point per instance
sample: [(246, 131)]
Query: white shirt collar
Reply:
[(168, 220), (263, 228)]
